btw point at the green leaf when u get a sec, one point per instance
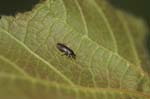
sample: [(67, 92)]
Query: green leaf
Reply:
[(108, 64)]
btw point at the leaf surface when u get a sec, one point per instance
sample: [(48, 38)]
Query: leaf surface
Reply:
[(108, 63)]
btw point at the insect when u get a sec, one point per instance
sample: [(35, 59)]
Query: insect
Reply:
[(67, 51)]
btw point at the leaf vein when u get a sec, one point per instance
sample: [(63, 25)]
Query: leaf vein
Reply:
[(107, 23), (14, 65), (82, 16), (40, 58)]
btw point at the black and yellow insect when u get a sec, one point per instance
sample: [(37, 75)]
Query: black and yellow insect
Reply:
[(67, 51)]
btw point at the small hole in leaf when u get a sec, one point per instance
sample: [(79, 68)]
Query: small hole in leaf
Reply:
[(12, 7)]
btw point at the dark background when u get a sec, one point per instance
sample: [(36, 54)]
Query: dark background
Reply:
[(137, 7), (11, 7)]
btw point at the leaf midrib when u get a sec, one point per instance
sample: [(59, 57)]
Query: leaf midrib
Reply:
[(40, 58)]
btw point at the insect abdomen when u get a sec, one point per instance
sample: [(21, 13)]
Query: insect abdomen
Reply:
[(67, 51)]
